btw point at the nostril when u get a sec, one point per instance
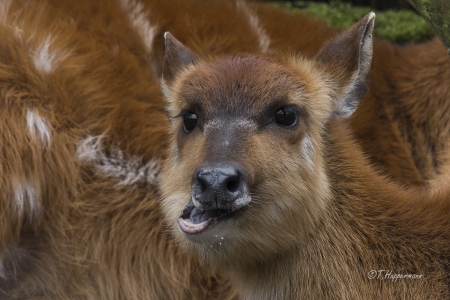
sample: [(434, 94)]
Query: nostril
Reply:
[(233, 184), (201, 184)]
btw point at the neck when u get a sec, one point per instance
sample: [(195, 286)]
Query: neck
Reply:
[(370, 224)]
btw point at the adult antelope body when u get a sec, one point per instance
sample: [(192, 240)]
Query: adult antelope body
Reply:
[(84, 130)]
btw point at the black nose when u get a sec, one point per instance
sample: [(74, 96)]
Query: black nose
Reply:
[(218, 188)]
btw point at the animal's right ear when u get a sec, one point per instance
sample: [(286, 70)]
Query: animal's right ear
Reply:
[(347, 61), (176, 58)]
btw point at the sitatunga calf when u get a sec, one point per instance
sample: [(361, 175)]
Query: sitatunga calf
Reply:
[(266, 182)]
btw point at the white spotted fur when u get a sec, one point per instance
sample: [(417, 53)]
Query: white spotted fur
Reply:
[(129, 170), (26, 196), (46, 59), (38, 127)]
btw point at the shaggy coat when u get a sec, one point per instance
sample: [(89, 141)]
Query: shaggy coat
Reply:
[(84, 130)]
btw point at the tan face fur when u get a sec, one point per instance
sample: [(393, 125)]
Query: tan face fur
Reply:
[(236, 126)]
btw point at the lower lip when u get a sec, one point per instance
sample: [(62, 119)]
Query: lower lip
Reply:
[(189, 228)]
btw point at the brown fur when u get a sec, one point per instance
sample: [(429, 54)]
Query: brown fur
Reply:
[(82, 233), (90, 236), (320, 219)]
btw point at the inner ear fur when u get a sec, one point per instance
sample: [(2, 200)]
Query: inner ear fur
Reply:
[(176, 58), (347, 60)]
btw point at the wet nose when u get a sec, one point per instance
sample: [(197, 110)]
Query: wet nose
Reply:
[(218, 187)]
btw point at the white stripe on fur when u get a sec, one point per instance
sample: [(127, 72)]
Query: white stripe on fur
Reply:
[(4, 10), (140, 21), (116, 164), (264, 39)]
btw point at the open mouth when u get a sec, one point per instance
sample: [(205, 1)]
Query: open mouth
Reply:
[(194, 221)]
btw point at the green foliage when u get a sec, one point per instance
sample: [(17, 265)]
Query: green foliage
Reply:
[(437, 13), (402, 26), (398, 26)]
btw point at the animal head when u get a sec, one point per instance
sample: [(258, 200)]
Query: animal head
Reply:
[(246, 175)]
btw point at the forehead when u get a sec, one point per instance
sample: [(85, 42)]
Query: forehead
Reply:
[(239, 85)]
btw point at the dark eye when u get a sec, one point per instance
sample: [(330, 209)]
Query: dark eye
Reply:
[(189, 121), (286, 116)]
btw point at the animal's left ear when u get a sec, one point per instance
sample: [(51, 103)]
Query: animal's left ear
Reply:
[(347, 60)]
